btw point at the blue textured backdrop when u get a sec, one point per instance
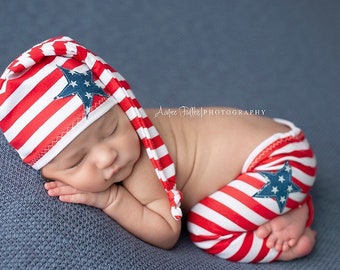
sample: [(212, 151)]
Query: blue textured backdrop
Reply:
[(279, 56)]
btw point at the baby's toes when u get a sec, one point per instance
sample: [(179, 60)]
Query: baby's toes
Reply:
[(292, 242), (279, 245), (264, 230), (286, 246), (271, 241)]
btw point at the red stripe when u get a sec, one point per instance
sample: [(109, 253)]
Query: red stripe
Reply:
[(37, 122), (262, 253), (163, 162), (81, 54), (13, 84), (311, 171), (207, 225), (252, 181), (125, 85), (41, 87), (112, 87), (229, 213), (244, 249), (172, 181), (36, 54), (222, 244), (98, 68), (304, 188), (262, 157), (154, 142), (292, 204), (251, 203), (54, 136), (59, 47), (28, 101)]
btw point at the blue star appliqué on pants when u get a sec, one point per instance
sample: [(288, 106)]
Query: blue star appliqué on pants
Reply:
[(278, 186)]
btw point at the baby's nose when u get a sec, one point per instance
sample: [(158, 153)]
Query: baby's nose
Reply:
[(104, 156)]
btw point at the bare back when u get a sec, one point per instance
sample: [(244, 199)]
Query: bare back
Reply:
[(209, 150)]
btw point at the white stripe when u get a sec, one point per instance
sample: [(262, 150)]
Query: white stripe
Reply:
[(132, 112), (70, 135), (142, 113), (291, 147), (278, 164), (148, 133), (117, 76), (47, 49), (25, 60), (131, 94), (35, 109), (105, 77), (101, 60), (71, 48), (267, 142), (207, 244), (216, 218), (198, 230), (237, 206), (49, 126), (167, 172), (303, 177), (232, 249), (255, 249), (153, 132), (297, 196), (26, 87), (158, 152), (271, 255), (120, 94), (90, 60), (245, 187)]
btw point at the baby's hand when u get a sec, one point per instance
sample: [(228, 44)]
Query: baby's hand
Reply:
[(70, 194)]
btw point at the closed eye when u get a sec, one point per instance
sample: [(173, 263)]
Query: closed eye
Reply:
[(114, 130), (79, 161)]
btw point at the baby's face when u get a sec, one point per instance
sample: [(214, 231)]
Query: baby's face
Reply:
[(103, 154)]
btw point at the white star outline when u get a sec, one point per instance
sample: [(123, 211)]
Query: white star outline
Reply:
[(278, 185), (87, 83), (73, 83), (275, 190), (88, 95), (81, 85)]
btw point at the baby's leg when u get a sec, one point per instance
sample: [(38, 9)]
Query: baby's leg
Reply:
[(225, 224), (276, 181)]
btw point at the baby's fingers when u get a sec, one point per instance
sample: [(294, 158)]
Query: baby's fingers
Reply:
[(53, 184), (80, 198), (61, 190)]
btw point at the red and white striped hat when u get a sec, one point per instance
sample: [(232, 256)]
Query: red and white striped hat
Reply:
[(58, 88)]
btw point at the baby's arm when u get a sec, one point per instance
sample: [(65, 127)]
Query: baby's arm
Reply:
[(151, 222)]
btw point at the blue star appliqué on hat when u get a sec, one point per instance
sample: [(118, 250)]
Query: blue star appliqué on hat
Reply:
[(278, 186), (82, 85)]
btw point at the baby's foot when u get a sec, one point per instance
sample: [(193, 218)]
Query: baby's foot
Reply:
[(303, 246), (283, 232)]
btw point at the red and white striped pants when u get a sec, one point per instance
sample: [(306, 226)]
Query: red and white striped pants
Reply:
[(224, 223)]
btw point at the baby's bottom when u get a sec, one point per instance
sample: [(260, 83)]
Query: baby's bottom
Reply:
[(275, 179)]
